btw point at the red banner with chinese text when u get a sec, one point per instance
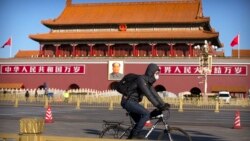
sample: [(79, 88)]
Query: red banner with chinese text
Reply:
[(42, 69), (194, 70), (234, 70)]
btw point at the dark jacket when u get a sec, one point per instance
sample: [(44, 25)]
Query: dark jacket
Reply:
[(143, 87)]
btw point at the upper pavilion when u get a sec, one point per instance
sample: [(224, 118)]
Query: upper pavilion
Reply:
[(156, 28)]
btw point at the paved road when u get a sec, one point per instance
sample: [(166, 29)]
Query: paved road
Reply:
[(87, 122)]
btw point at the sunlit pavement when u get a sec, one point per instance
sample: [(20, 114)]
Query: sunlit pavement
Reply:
[(87, 122)]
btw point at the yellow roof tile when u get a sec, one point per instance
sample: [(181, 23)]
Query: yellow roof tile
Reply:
[(184, 11), (27, 53)]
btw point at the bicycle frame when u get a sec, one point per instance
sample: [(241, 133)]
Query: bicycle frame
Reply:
[(153, 127), (169, 132), (160, 119)]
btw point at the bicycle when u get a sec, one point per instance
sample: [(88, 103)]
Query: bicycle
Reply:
[(119, 130)]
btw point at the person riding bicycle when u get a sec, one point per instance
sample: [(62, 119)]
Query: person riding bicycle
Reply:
[(143, 87)]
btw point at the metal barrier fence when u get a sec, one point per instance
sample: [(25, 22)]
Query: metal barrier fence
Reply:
[(112, 101)]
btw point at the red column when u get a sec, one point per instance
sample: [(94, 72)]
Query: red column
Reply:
[(134, 49), (57, 51), (171, 49), (73, 53), (156, 51), (109, 49), (108, 45), (153, 49), (190, 49), (112, 51), (41, 52), (91, 49), (77, 52)]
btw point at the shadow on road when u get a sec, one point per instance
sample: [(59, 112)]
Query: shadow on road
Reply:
[(91, 131), (200, 136)]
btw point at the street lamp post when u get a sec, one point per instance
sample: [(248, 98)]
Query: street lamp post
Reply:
[(205, 62)]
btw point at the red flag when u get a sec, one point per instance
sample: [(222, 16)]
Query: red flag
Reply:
[(7, 43), (235, 41)]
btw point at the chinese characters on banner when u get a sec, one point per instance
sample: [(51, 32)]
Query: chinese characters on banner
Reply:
[(194, 70), (42, 69), (80, 69)]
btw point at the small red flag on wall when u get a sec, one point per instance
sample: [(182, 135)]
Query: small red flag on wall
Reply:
[(7, 43)]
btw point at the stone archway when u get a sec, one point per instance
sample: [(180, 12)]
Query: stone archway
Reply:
[(112, 85), (160, 88), (73, 86), (195, 91), (40, 87)]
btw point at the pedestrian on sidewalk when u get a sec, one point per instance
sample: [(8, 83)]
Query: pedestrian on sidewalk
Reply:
[(27, 95)]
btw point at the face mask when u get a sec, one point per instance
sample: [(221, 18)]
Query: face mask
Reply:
[(156, 76)]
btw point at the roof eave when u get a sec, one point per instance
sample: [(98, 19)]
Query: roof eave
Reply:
[(51, 24), (36, 37)]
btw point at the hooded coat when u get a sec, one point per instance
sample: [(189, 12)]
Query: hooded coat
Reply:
[(143, 87)]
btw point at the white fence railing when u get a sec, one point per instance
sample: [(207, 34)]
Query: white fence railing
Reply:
[(109, 98)]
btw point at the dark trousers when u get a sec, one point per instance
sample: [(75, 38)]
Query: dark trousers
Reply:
[(139, 114)]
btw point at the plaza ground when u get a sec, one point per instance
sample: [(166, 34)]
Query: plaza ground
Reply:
[(87, 122)]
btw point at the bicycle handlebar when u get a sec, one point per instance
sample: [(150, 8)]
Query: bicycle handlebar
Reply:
[(156, 113)]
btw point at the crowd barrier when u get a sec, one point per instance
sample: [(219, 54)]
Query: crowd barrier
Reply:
[(111, 99)]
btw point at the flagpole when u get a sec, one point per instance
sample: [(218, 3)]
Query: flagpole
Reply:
[(239, 46), (10, 45)]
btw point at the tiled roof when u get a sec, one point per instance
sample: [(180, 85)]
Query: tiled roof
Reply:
[(27, 53), (175, 11), (219, 53), (11, 85), (125, 35), (243, 53), (232, 89)]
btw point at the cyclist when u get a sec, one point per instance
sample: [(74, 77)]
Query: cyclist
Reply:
[(143, 86)]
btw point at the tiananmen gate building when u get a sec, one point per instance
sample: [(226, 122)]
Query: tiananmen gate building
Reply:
[(86, 39)]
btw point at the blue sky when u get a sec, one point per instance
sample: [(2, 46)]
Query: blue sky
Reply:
[(20, 18)]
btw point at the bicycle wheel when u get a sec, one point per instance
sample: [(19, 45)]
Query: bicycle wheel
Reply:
[(176, 133), (116, 132)]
